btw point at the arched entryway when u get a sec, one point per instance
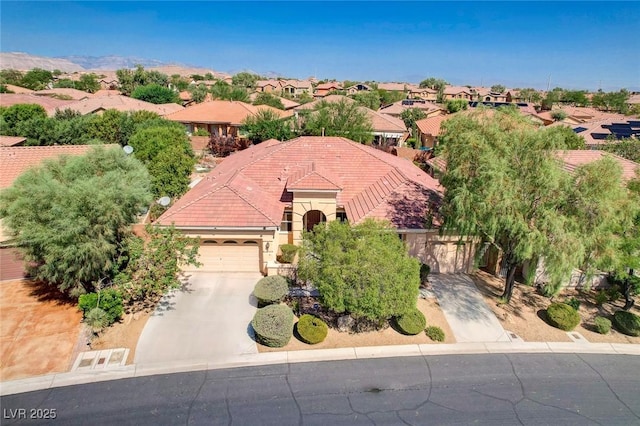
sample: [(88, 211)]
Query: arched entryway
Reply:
[(312, 218)]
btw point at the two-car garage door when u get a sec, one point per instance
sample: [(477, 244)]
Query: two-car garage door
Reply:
[(229, 256)]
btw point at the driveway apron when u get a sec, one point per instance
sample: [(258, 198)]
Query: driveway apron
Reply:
[(206, 320), (469, 317)]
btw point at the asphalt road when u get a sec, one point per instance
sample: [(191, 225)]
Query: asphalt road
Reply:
[(495, 389)]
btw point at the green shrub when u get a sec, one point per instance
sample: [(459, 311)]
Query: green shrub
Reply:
[(411, 323), (601, 297), (110, 303), (271, 290), (425, 270), (434, 333), (288, 253), (627, 323), (312, 329), (273, 325), (563, 316), (574, 303), (614, 293), (97, 319), (201, 132), (602, 325)]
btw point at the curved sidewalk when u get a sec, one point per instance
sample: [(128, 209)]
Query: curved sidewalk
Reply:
[(139, 370)]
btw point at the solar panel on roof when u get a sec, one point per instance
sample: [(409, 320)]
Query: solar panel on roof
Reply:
[(579, 129)]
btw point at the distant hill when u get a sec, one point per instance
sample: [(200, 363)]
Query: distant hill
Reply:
[(24, 61), (111, 62)]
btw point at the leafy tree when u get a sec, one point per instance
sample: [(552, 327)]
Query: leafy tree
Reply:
[(530, 95), (433, 83), (198, 92), (369, 99), (178, 82), (264, 98), (388, 97), (150, 268), (129, 80), (629, 250), (455, 105), (245, 79), (575, 97), (498, 88), (15, 114), (504, 184), (36, 79), (168, 155), (343, 118), (410, 116), (239, 94), (10, 76), (611, 101), (627, 148), (64, 83), (221, 90), (155, 94), (558, 115), (363, 270), (197, 77), (88, 83), (112, 126), (266, 124), (565, 137), (305, 98), (223, 146), (69, 216)]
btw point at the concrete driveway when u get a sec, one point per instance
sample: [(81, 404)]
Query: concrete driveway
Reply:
[(207, 320), (469, 317)]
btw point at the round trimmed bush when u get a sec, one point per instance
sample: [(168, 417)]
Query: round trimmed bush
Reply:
[(271, 290), (288, 253), (312, 329), (563, 316), (273, 325), (434, 333), (413, 322), (627, 323), (602, 325)]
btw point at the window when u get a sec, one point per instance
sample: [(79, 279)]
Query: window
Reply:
[(287, 218), (342, 216)]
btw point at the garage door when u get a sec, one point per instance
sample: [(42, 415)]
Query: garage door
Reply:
[(229, 256)]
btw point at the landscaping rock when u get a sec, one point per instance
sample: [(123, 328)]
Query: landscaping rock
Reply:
[(345, 323)]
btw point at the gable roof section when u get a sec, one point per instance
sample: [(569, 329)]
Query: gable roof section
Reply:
[(16, 160), (572, 159), (366, 178), (49, 104), (227, 112), (120, 103), (11, 140), (432, 125)]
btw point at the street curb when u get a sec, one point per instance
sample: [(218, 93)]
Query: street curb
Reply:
[(291, 357)]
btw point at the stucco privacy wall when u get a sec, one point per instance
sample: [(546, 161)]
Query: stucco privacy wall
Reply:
[(443, 253)]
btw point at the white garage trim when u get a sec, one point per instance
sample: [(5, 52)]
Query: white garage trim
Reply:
[(228, 256)]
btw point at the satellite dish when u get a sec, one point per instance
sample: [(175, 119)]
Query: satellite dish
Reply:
[(164, 201), (127, 149)]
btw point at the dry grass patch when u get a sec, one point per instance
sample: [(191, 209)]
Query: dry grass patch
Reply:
[(122, 334)]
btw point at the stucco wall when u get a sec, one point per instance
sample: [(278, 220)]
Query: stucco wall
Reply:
[(442, 253), (306, 201)]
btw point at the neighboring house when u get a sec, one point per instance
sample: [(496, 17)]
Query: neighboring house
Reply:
[(296, 88), (575, 158), (323, 89), (458, 92), (269, 194), (99, 104), (387, 129), (16, 160), (429, 130), (12, 141), (64, 93), (49, 104), (358, 88), (397, 87), (269, 86), (425, 93), (287, 103), (220, 118), (578, 115), (597, 133), (397, 108)]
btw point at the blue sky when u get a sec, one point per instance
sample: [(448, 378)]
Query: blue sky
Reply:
[(577, 44)]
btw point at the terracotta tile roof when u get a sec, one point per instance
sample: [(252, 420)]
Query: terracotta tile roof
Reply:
[(438, 163), (49, 104), (596, 132), (431, 125), (231, 112), (397, 108), (311, 180), (11, 140), (18, 89), (332, 85), (16, 160), (454, 90), (406, 152), (394, 87), (265, 83), (74, 94), (287, 103), (249, 188), (120, 103), (574, 158), (107, 92)]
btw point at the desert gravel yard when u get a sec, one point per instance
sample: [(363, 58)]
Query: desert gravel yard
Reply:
[(39, 331)]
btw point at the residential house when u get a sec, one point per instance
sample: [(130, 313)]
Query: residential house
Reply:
[(295, 88), (352, 90), (429, 130), (15, 161), (600, 132), (323, 89), (49, 104), (387, 129), (99, 104), (397, 108), (269, 86), (425, 93), (397, 87), (220, 118), (457, 92), (269, 194)]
